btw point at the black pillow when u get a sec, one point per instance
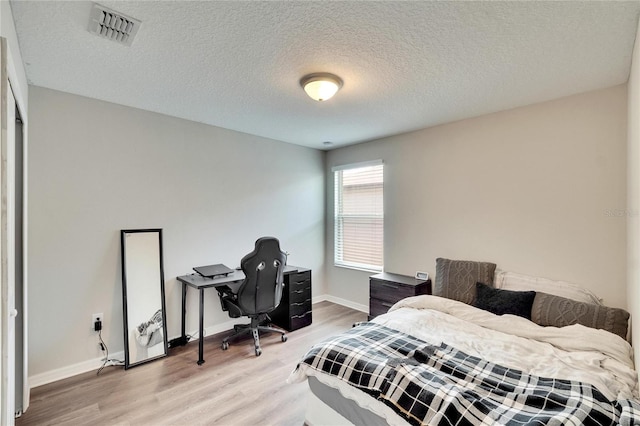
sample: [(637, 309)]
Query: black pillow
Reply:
[(502, 302)]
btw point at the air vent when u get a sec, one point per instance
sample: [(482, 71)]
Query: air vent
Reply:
[(113, 25)]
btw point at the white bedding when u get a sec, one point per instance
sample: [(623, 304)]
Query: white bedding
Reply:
[(574, 352)]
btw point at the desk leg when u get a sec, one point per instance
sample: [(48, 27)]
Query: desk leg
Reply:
[(184, 313), (201, 329)]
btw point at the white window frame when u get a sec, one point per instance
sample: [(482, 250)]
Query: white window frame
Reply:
[(337, 250)]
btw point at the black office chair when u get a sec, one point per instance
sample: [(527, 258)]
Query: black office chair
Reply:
[(259, 293)]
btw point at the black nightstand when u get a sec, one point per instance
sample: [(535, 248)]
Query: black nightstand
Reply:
[(385, 289)]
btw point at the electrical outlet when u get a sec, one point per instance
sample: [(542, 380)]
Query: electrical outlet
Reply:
[(96, 317)]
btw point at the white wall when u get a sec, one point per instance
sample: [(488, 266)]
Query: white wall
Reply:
[(633, 198), (96, 168), (539, 190)]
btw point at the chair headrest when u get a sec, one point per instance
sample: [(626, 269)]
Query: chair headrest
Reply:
[(265, 248)]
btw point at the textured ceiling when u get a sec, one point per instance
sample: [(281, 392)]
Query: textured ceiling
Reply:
[(405, 65)]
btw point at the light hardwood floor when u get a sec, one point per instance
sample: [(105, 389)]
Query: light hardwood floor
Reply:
[(232, 387)]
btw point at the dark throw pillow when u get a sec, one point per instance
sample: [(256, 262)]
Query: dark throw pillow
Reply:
[(456, 279), (502, 302)]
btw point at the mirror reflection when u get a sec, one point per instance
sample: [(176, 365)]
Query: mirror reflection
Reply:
[(143, 296)]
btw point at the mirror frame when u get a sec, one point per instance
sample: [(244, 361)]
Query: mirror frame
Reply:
[(123, 235)]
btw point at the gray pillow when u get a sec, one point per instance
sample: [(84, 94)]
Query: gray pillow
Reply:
[(456, 279), (556, 311)]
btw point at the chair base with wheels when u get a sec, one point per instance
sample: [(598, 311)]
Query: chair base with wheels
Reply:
[(254, 328)]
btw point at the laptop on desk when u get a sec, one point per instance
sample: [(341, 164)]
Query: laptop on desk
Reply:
[(211, 271)]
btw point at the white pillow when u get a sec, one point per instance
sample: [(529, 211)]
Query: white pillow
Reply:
[(518, 282)]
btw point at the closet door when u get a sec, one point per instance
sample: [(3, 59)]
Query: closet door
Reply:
[(8, 310)]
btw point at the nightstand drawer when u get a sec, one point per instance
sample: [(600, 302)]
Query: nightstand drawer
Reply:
[(378, 307), (300, 321), (390, 291), (300, 295), (300, 308), (300, 279), (299, 285)]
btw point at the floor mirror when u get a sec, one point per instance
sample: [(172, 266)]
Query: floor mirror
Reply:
[(145, 330)]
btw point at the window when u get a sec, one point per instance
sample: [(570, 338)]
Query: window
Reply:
[(359, 216)]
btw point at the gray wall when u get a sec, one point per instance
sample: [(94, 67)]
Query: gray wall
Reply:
[(96, 168), (539, 190)]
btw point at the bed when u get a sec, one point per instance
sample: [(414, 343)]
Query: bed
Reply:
[(448, 359)]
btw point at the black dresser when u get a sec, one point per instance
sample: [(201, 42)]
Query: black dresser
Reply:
[(294, 311), (385, 289)]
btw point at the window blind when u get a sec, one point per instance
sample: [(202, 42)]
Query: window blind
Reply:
[(359, 216)]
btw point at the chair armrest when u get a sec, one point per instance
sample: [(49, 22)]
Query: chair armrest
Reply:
[(229, 300)]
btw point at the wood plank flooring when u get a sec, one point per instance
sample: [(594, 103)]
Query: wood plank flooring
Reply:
[(232, 387)]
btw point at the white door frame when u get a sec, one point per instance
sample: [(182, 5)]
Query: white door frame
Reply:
[(8, 310), (7, 273)]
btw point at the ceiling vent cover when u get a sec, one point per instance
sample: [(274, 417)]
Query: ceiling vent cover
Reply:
[(113, 25)]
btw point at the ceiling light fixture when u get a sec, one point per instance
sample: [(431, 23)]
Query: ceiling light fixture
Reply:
[(321, 86)]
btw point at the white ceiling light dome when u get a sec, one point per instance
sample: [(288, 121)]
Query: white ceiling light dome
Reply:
[(321, 86)]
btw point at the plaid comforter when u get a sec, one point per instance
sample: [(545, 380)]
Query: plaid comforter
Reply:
[(439, 385)]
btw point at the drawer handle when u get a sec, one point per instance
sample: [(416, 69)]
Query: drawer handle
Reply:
[(386, 305), (391, 286), (300, 316), (306, 302), (299, 291)]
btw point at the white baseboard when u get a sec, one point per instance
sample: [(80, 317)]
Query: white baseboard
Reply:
[(318, 299), (70, 370), (93, 364), (340, 301)]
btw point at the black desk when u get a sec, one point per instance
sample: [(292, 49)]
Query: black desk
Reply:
[(199, 282)]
